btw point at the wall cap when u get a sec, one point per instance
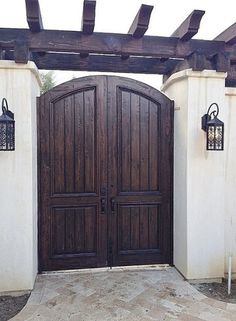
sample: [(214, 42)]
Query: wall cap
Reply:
[(189, 73), (230, 91), (9, 64)]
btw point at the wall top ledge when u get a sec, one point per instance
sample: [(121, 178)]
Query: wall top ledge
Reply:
[(189, 73), (230, 91), (9, 64)]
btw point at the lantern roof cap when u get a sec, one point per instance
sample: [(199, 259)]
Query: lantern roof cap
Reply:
[(6, 118)]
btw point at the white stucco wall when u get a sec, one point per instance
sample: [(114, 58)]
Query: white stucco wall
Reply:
[(230, 179), (20, 85), (199, 176)]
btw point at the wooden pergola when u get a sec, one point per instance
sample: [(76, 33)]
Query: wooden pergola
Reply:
[(133, 52)]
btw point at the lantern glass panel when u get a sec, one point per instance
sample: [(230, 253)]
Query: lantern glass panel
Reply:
[(3, 136), (7, 134), (211, 138), (219, 138)]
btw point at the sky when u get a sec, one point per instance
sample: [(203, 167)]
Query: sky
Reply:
[(117, 16)]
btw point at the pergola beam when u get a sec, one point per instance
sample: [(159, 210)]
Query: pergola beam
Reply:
[(88, 18), (230, 80), (189, 26), (33, 15), (228, 36), (109, 43), (59, 61), (141, 21)]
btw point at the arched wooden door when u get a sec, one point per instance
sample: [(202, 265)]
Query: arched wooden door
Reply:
[(105, 174)]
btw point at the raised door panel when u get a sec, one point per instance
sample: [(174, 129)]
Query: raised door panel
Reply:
[(74, 152), (140, 221), (74, 231), (138, 126), (73, 174)]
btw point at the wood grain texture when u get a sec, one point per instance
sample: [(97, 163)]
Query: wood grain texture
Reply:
[(33, 15), (228, 35), (109, 43), (141, 21), (105, 174), (190, 26), (21, 52), (136, 173), (88, 18), (60, 61)]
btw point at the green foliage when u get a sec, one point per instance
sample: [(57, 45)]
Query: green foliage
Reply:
[(48, 80)]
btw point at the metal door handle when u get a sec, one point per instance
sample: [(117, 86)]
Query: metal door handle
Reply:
[(112, 205), (103, 205)]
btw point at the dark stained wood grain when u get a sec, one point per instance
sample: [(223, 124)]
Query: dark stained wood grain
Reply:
[(69, 139), (143, 228), (228, 35), (21, 52), (88, 18), (189, 26), (72, 229), (125, 139), (134, 143), (134, 228), (79, 143), (141, 21), (33, 15), (136, 113), (89, 140), (109, 43), (230, 81), (144, 145), (154, 145), (58, 143), (60, 61), (103, 142)]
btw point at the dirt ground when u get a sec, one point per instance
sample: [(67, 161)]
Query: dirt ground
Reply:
[(11, 305), (218, 291)]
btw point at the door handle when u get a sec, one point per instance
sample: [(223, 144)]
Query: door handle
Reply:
[(112, 205), (103, 205)]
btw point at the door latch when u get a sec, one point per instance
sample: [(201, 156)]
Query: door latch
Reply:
[(112, 205), (103, 205)]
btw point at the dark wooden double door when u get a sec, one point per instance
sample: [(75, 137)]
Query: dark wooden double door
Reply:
[(105, 174)]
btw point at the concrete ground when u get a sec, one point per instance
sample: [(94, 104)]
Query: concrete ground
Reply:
[(121, 294)]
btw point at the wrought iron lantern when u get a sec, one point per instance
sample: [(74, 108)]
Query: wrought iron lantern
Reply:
[(7, 128), (214, 128)]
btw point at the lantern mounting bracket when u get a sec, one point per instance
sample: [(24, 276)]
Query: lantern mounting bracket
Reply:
[(210, 115), (5, 109)]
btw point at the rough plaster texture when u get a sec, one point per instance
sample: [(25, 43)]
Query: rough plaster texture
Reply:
[(230, 179), (199, 176), (20, 84)]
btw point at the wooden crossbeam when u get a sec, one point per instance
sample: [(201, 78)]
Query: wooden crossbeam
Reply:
[(230, 80), (21, 52), (33, 15), (141, 21), (63, 61), (88, 19), (228, 36), (189, 26), (109, 43)]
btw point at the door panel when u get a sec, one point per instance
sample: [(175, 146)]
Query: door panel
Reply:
[(105, 161), (140, 152), (73, 172)]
